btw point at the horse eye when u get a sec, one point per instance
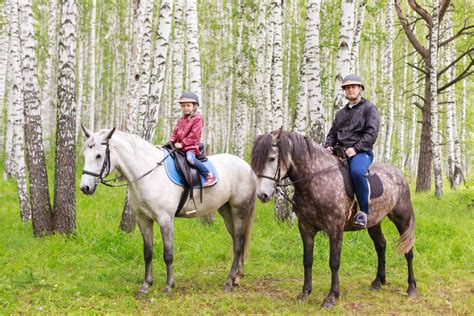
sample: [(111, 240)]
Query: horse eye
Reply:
[(98, 156), (272, 159)]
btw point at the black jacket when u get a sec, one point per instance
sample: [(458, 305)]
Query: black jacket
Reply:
[(355, 127)]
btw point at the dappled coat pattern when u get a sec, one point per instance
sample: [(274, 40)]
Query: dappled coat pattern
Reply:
[(321, 203)]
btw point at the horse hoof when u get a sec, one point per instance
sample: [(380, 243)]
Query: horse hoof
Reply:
[(140, 293), (411, 292), (228, 288), (237, 282), (329, 302), (376, 285), (303, 296), (168, 292)]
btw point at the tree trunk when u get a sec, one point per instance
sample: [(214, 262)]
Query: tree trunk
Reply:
[(343, 59), (355, 42), (192, 49), (4, 53), (314, 96), (37, 174), (402, 110), (145, 66), (159, 66), (91, 89), (388, 82), (178, 58), (17, 154), (47, 94), (434, 100), (425, 160), (260, 68), (276, 81), (65, 175)]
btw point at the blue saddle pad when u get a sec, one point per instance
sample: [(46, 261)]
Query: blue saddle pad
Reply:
[(178, 178)]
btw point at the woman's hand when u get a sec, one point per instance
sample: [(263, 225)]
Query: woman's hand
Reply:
[(178, 145)]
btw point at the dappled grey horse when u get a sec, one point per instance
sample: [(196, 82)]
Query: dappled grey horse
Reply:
[(154, 197), (321, 203)]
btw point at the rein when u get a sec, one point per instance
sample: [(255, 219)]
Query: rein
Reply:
[(106, 166)]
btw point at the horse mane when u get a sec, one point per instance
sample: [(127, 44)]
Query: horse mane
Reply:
[(290, 144)]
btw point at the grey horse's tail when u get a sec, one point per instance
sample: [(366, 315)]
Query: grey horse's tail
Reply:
[(248, 225), (407, 239)]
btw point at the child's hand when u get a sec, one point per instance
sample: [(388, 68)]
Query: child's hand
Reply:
[(178, 145)]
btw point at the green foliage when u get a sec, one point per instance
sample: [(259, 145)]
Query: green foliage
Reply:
[(99, 269)]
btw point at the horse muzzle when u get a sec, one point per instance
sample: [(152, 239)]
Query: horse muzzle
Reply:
[(264, 197), (88, 189)]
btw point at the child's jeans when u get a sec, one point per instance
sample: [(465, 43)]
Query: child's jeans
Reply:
[(191, 158)]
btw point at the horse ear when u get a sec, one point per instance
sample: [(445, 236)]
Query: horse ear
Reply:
[(109, 135), (279, 132), (87, 132), (258, 131)]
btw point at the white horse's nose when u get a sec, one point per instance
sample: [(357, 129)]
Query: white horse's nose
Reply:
[(87, 188)]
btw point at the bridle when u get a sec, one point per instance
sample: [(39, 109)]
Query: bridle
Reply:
[(105, 167), (100, 177)]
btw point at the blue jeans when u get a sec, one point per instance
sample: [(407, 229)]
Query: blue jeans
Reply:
[(196, 163), (359, 165)]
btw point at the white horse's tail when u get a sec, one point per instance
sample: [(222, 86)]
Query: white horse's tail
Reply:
[(248, 225)]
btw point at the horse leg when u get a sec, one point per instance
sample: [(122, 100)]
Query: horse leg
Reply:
[(235, 227), (335, 244), (167, 233), (146, 228), (375, 232), (307, 235), (405, 222)]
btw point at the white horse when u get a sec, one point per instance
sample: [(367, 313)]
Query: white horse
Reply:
[(154, 197)]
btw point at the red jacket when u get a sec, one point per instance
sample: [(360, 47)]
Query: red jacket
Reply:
[(188, 132)]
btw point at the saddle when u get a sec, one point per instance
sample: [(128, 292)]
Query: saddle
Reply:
[(375, 184), (192, 178)]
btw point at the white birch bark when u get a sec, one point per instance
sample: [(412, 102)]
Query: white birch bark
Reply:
[(343, 58), (80, 83), (388, 81), (145, 65), (413, 125), (65, 167), (434, 100), (38, 178), (463, 119), (356, 40), (402, 107), (276, 81), (260, 68), (192, 49), (268, 71), (313, 73), (6, 97), (17, 117), (178, 57), (4, 53), (453, 147), (134, 72), (302, 101), (159, 65), (92, 99), (47, 93)]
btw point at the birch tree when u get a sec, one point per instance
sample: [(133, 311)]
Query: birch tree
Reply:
[(47, 93), (356, 40), (37, 174), (17, 154), (425, 160), (260, 68), (65, 167), (192, 48), (434, 99), (91, 89), (4, 53), (145, 64), (313, 73), (343, 59), (388, 82), (276, 81), (159, 66)]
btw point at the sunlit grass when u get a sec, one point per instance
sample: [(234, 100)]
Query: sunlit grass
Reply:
[(100, 268)]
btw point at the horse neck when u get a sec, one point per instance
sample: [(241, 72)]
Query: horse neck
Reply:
[(133, 156), (318, 159)]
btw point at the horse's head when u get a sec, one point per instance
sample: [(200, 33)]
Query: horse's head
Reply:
[(270, 162), (97, 163)]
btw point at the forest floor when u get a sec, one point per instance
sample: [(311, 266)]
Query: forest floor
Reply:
[(99, 269)]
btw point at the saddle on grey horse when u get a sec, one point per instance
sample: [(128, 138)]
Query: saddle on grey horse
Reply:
[(375, 184), (190, 174)]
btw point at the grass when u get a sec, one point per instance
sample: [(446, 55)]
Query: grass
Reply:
[(99, 269)]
